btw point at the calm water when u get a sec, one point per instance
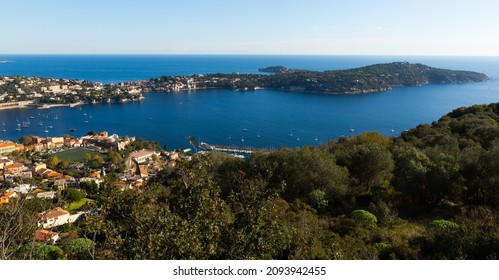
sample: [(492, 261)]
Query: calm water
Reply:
[(262, 118)]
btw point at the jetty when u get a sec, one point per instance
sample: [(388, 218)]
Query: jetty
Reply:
[(233, 149)]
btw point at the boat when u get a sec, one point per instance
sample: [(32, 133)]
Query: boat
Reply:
[(50, 125), (40, 123), (56, 118), (25, 125), (46, 130), (18, 127), (85, 121), (31, 117), (351, 130), (72, 129), (84, 113)]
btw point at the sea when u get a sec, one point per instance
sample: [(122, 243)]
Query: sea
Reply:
[(262, 118)]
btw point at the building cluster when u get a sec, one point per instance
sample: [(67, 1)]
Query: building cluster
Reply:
[(30, 178), (20, 91)]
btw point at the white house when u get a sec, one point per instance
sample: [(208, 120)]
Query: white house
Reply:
[(57, 217)]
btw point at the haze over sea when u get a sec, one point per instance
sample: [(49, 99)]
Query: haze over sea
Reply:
[(263, 118)]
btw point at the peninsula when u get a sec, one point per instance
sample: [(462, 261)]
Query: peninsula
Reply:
[(375, 78)]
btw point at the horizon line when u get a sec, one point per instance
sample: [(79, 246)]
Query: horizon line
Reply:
[(246, 54)]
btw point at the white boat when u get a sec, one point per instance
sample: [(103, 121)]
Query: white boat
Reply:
[(46, 130)]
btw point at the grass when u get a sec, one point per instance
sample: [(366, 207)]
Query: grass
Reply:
[(76, 154), (78, 204)]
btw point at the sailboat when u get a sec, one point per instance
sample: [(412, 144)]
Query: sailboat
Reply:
[(46, 130), (18, 127), (3, 129), (50, 125)]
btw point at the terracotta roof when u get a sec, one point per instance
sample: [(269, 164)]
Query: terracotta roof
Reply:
[(13, 165), (44, 235), (3, 145), (9, 194), (54, 213)]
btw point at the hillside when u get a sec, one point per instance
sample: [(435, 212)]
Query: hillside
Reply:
[(374, 78)]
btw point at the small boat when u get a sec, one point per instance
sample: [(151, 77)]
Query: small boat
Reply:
[(50, 125), (25, 125), (84, 113), (392, 130), (245, 129), (18, 127), (316, 139), (31, 117), (85, 121), (242, 139), (351, 130), (258, 136), (40, 123), (56, 118), (46, 130), (72, 129)]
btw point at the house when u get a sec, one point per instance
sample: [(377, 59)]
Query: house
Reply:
[(7, 147), (46, 195), (54, 217), (46, 236), (142, 156), (57, 217)]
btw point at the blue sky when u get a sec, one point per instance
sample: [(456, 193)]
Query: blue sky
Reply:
[(336, 27)]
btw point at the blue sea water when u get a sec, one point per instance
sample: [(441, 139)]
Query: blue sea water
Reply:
[(263, 118)]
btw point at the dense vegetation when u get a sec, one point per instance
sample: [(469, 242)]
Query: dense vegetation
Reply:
[(374, 78), (431, 193), (379, 77)]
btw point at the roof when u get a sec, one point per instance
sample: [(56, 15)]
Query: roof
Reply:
[(44, 235), (54, 213), (3, 145), (141, 153), (9, 194), (13, 165)]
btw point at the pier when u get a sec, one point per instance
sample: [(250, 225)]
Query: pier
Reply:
[(233, 149)]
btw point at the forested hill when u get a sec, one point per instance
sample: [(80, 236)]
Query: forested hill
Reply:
[(373, 78)]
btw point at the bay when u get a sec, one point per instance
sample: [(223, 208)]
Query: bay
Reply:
[(262, 118)]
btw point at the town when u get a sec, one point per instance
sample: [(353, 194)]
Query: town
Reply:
[(70, 173)]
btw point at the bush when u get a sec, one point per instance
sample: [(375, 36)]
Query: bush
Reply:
[(364, 216)]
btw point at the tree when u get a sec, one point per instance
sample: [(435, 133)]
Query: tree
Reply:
[(79, 249), (96, 162), (370, 164), (72, 195), (52, 161)]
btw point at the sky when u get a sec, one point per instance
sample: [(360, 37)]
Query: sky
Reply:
[(309, 27)]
